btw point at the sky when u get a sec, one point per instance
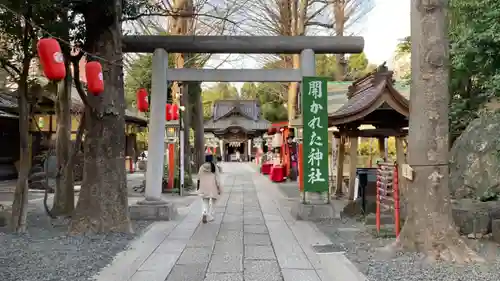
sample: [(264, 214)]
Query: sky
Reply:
[(383, 27)]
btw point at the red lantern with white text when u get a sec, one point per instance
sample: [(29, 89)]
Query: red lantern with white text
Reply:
[(271, 131), (168, 113), (51, 59), (142, 100), (95, 81), (175, 112)]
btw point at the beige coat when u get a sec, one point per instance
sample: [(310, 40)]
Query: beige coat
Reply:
[(210, 186)]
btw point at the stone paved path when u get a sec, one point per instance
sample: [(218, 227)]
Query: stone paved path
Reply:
[(252, 239)]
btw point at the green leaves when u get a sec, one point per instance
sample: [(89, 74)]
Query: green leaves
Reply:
[(138, 75), (475, 64)]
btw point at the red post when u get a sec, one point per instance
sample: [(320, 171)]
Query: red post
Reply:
[(301, 168), (171, 165), (377, 213), (395, 192), (131, 165)]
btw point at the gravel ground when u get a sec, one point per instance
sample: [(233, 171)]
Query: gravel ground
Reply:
[(361, 248), (47, 253)]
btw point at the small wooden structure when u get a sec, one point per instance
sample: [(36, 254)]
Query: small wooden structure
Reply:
[(235, 123), (43, 128), (372, 100)]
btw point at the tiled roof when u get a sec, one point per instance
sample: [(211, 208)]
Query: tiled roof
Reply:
[(337, 93), (364, 94), (237, 121), (248, 108), (8, 101), (4, 114)]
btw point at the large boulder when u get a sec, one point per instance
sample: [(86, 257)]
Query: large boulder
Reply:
[(475, 159)]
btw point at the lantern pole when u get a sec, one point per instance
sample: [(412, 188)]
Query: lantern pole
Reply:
[(181, 152), (156, 140)]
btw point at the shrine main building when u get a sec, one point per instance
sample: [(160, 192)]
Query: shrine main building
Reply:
[(235, 123)]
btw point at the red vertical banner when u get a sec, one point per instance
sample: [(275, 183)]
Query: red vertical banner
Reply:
[(301, 168), (171, 165), (286, 152)]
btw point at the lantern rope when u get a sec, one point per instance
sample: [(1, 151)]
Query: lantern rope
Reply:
[(92, 55)]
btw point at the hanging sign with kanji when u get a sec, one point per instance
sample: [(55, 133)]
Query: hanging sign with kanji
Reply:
[(315, 134)]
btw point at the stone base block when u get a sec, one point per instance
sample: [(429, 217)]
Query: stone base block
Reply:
[(163, 211), (313, 212), (495, 226)]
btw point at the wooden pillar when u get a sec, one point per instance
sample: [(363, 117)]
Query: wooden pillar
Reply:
[(339, 181), (381, 147), (353, 154), (400, 160)]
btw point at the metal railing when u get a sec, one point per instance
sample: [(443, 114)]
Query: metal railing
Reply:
[(388, 193)]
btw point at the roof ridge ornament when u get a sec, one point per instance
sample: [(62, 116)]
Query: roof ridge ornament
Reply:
[(371, 80)]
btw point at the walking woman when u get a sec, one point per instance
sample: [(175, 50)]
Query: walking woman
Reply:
[(209, 187)]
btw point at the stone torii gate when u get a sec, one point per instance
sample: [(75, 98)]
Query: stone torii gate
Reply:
[(160, 46)]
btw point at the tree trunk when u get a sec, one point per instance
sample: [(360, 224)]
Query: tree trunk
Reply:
[(64, 198), (103, 203), (429, 226), (340, 20), (198, 124), (20, 203), (186, 119)]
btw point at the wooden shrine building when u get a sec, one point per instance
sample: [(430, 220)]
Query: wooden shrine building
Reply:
[(372, 100), (235, 123)]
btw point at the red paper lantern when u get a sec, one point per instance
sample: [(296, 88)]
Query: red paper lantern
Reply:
[(175, 112), (51, 59), (95, 82), (142, 100), (168, 113)]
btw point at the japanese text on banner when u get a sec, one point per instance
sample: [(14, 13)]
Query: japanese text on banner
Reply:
[(315, 134)]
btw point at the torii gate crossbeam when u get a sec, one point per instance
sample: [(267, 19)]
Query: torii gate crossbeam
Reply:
[(243, 44)]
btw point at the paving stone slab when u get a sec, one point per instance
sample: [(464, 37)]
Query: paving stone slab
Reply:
[(226, 263), (255, 228), (263, 270), (159, 274), (255, 252), (156, 260), (273, 217), (195, 255), (252, 214), (184, 272), (171, 247), (300, 274), (222, 248), (231, 226), (232, 218), (224, 277), (254, 221), (292, 257), (257, 239), (230, 236), (201, 243), (182, 233)]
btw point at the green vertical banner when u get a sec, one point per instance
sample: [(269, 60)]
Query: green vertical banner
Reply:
[(315, 134)]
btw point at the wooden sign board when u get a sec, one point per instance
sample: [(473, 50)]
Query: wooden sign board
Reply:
[(407, 172)]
